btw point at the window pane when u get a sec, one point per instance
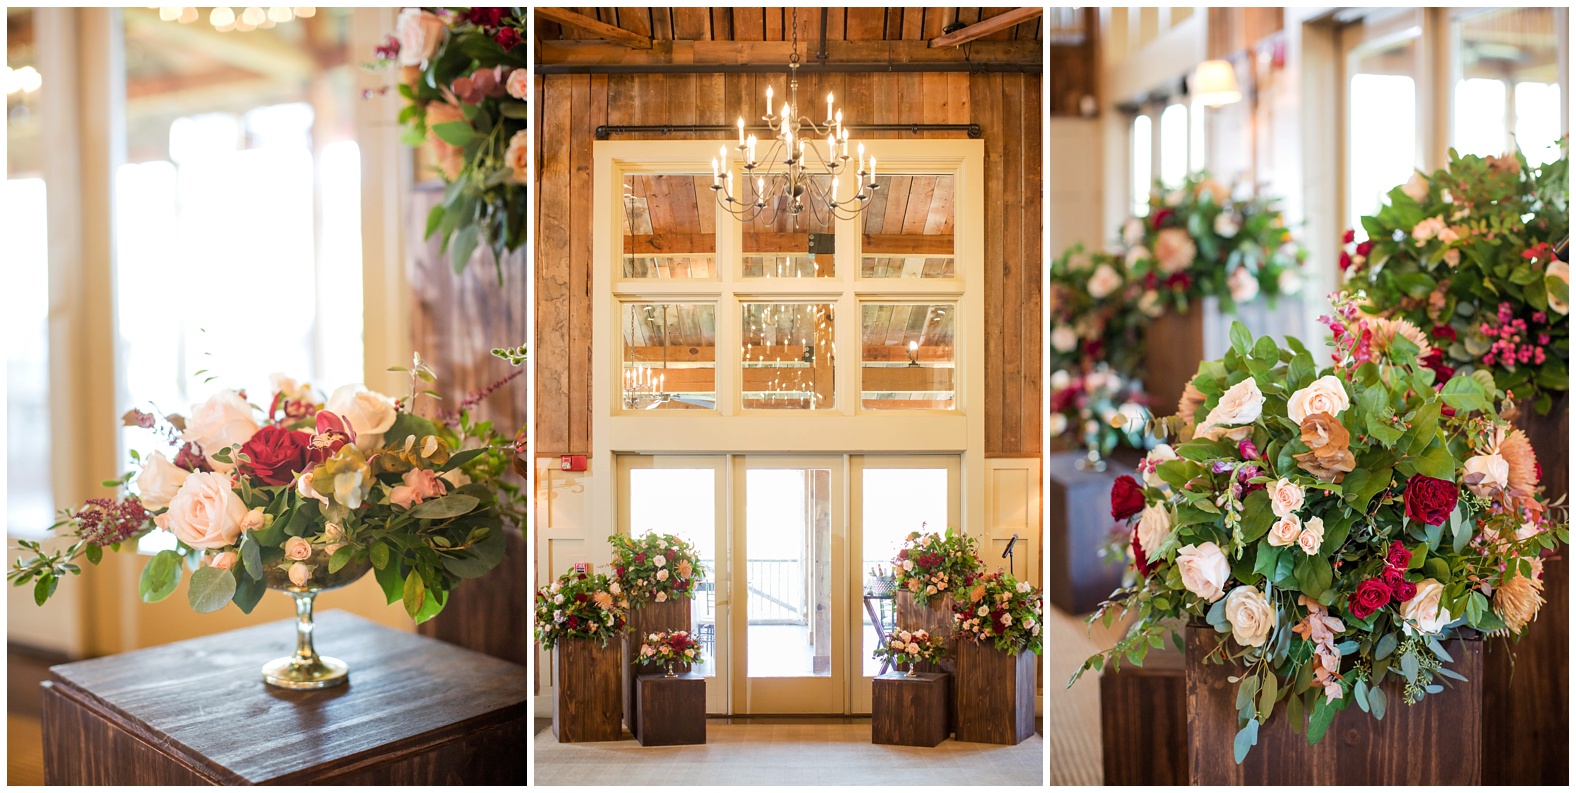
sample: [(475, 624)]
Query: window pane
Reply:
[(1480, 117), (1538, 114), (30, 500), (1173, 144), (670, 356), (682, 502), (669, 226), (906, 361), (1140, 155), (781, 244), (1382, 108), (896, 501), (789, 356), (788, 581), (1507, 81), (908, 228)]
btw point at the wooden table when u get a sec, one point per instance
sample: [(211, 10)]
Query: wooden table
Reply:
[(909, 711), (416, 711)]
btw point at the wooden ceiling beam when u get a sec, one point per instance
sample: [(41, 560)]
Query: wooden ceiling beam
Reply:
[(775, 53), (616, 35), (984, 28)]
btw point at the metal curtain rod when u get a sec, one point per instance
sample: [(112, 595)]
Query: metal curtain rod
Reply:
[(606, 130), (777, 68)]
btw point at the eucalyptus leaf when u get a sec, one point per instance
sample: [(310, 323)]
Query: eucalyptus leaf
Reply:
[(210, 589)]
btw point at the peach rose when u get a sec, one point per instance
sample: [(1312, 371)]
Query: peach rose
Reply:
[(1286, 497), (223, 561), (519, 155), (1174, 250), (1132, 232), (1487, 474), (1416, 187), (420, 485), (254, 519), (1328, 457), (450, 158), (420, 33), (1204, 570), (1285, 531), (224, 420), (300, 574), (370, 413), (1241, 404), (205, 513), (1423, 611), (1251, 616), (159, 481), (1324, 395), (1242, 285), (298, 549), (519, 83), (1103, 282), (1312, 536)]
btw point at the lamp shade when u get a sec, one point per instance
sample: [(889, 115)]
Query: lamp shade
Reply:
[(1215, 83)]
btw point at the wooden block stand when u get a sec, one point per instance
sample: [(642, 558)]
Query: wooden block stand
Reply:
[(937, 619), (644, 620), (671, 710), (1526, 686), (1080, 525), (909, 711), (995, 694), (416, 711), (1143, 721), (1435, 742), (586, 704)]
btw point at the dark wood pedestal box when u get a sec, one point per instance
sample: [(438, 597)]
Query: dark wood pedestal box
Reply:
[(1143, 721), (644, 620), (1080, 525), (909, 711), (936, 618), (995, 694), (586, 702), (416, 711), (1526, 686), (1435, 742), (671, 711)]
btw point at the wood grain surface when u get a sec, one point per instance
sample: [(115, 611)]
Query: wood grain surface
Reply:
[(197, 712), (587, 705), (1143, 721), (909, 711), (644, 620), (1173, 349), (1435, 742), (995, 694), (1080, 525), (937, 619), (672, 710)]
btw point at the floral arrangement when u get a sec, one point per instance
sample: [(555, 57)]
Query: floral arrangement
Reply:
[(299, 493), (1002, 611), (1198, 241), (1467, 253), (903, 646), (933, 565), (655, 567), (464, 77), (1097, 312), (1334, 525), (666, 648), (579, 605), (1102, 405)]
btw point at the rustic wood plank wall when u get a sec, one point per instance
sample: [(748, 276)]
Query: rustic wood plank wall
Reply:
[(570, 107)]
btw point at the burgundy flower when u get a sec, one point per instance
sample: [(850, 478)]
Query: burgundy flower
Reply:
[(1429, 500), (1179, 281), (508, 38), (333, 431), (581, 597), (1162, 216), (574, 622), (1398, 556), (1365, 247), (1248, 451), (1348, 237), (1127, 498), (1371, 595), (1444, 332), (1435, 360), (106, 521), (1140, 557), (389, 49), (485, 17), (1346, 261), (640, 557), (1403, 590), (275, 455), (191, 459)]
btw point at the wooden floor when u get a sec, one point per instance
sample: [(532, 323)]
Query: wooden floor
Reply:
[(24, 747), (25, 670)]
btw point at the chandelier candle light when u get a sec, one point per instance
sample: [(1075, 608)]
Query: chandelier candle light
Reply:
[(796, 182)]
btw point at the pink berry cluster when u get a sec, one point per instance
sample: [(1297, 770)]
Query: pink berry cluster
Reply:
[(1513, 342)]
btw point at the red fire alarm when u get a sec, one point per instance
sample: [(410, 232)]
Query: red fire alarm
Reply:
[(572, 462)]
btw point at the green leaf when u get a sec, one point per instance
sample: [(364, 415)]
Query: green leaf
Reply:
[(251, 557), (1436, 462), (434, 218), (1241, 338), (449, 506), (1271, 688), (44, 587), (380, 554), (462, 246), (1323, 713), (456, 133), (210, 589), (1376, 702), (1386, 646), (415, 593), (160, 576), (1245, 740), (248, 591), (1409, 667), (392, 581), (436, 598), (94, 553), (341, 557), (1464, 393), (481, 558)]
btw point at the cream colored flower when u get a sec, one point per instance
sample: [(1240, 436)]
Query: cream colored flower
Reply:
[(1284, 532), (1562, 272), (224, 420), (518, 155), (1324, 395), (1174, 250), (1132, 232), (1241, 404), (419, 33), (205, 513), (1162, 453), (1242, 285), (1312, 536), (1423, 611), (300, 574), (1064, 338), (370, 413), (1487, 474), (1103, 282), (1204, 570), (1154, 526), (1416, 187), (1251, 616), (1286, 496), (159, 481)]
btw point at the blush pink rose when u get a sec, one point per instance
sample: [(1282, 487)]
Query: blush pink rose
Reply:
[(420, 485), (300, 574), (224, 420), (1174, 250), (205, 513), (298, 549), (223, 561)]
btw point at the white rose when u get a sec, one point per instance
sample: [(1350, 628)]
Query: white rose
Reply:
[(1324, 395), (1063, 338), (662, 575), (1103, 282), (1251, 616), (1241, 404), (1312, 536), (1162, 453), (1154, 526), (912, 648), (908, 565), (419, 33), (370, 414), (1060, 379), (224, 420), (1494, 473), (1136, 254), (1416, 187), (1057, 424), (1226, 225), (1243, 285), (1423, 610), (1285, 531), (205, 513), (1174, 198), (1204, 570), (1562, 271), (159, 481), (1286, 497), (1006, 619), (305, 490), (290, 387), (1132, 232), (1149, 303), (1290, 281), (660, 561)]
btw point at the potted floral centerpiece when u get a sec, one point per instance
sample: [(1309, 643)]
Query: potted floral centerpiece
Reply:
[(463, 74), (301, 496), (1334, 528), (577, 616), (904, 648), (929, 567), (998, 623), (659, 573), (666, 648), (1097, 311)]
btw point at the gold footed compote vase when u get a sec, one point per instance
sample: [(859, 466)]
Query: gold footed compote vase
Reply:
[(305, 669)]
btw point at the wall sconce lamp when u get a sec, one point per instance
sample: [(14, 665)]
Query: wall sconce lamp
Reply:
[(1215, 83), (913, 347)]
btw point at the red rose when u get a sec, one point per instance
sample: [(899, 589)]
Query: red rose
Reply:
[(1398, 556), (1429, 500), (902, 554), (670, 553), (1162, 215), (1140, 558), (1435, 360), (1127, 498), (1444, 332), (1348, 236), (508, 38), (574, 622), (640, 557), (485, 17), (1403, 590), (1365, 247), (1371, 595), (1346, 261), (582, 597), (276, 455)]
